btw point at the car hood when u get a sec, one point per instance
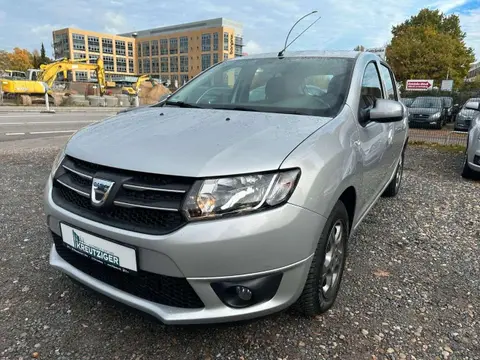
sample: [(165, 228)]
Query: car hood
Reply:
[(193, 142), (424, 111), (468, 113)]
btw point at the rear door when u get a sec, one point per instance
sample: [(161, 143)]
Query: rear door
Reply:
[(396, 130), (374, 137)]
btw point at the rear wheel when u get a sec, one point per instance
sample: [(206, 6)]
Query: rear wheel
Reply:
[(326, 270), (394, 186)]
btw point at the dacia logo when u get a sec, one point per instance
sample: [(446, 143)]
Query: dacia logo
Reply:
[(100, 190)]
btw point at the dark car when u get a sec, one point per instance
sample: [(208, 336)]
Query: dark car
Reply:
[(427, 111), (465, 116), (407, 101)]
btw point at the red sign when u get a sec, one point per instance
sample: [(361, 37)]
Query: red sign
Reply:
[(419, 85)]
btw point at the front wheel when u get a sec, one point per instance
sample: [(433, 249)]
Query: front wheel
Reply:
[(326, 270), (467, 172)]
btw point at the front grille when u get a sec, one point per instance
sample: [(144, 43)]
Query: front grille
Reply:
[(420, 116), (140, 202), (160, 289)]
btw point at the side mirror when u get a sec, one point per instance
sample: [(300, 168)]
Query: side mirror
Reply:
[(474, 105), (386, 111)]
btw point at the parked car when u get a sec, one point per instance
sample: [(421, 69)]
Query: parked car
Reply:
[(465, 116), (471, 164), (407, 101), (428, 111), (222, 208)]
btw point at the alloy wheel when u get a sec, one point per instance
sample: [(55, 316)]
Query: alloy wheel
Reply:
[(334, 259)]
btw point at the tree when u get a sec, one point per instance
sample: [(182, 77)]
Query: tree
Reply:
[(430, 45), (4, 60), (359, 48), (43, 57), (20, 59)]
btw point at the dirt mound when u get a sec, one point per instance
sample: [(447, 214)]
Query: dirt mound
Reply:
[(150, 94)]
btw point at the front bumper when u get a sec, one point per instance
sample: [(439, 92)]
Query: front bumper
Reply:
[(282, 240), (473, 158)]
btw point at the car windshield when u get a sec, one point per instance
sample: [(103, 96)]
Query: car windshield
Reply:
[(307, 86), (448, 102), (422, 102)]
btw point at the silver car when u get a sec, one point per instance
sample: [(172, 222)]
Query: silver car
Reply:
[(471, 165), (465, 116), (217, 207)]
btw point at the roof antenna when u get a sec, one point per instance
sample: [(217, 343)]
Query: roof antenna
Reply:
[(280, 54)]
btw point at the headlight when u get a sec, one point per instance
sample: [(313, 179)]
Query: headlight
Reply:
[(435, 116), (240, 194), (58, 160)]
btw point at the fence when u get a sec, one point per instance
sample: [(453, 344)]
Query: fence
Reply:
[(442, 137)]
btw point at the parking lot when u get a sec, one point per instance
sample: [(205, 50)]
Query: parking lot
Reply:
[(411, 289)]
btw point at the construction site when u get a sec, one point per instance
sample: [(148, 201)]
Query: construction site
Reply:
[(53, 83)]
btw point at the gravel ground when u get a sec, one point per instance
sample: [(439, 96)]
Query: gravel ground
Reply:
[(411, 289)]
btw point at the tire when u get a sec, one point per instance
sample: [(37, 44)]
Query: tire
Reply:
[(394, 186), (316, 298), (467, 172), (439, 125)]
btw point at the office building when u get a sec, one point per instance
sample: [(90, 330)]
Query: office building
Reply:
[(175, 53), (473, 72)]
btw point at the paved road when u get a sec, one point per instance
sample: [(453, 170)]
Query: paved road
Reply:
[(21, 126), (411, 289)]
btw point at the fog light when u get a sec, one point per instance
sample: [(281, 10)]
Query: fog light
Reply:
[(244, 293), (247, 292), (476, 160)]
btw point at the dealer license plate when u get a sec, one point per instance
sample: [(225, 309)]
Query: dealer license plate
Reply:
[(120, 257)]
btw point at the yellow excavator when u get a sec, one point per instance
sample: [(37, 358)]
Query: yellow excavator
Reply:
[(48, 74), (129, 90)]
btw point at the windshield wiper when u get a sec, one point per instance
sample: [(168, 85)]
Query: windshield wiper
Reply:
[(238, 108), (182, 104)]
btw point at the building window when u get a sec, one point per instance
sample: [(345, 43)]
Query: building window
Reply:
[(174, 64), (215, 41), (154, 46), (81, 75), (183, 63), (130, 49), (146, 48), (183, 79), (146, 66), (108, 63), (121, 64), (206, 42), (93, 44), (225, 41), (225, 57), (215, 58), (183, 45), (78, 42), (164, 64), (163, 47), (139, 65), (206, 61), (173, 46), (92, 59), (131, 69), (61, 46), (79, 55), (120, 47), (107, 46), (139, 50), (155, 66)]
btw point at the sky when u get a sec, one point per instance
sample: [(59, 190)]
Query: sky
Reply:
[(343, 24)]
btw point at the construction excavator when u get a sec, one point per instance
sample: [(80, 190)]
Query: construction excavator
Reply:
[(46, 76), (134, 90)]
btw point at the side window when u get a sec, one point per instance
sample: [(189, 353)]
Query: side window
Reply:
[(371, 87), (389, 83)]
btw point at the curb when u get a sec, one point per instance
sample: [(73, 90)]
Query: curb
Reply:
[(14, 109)]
